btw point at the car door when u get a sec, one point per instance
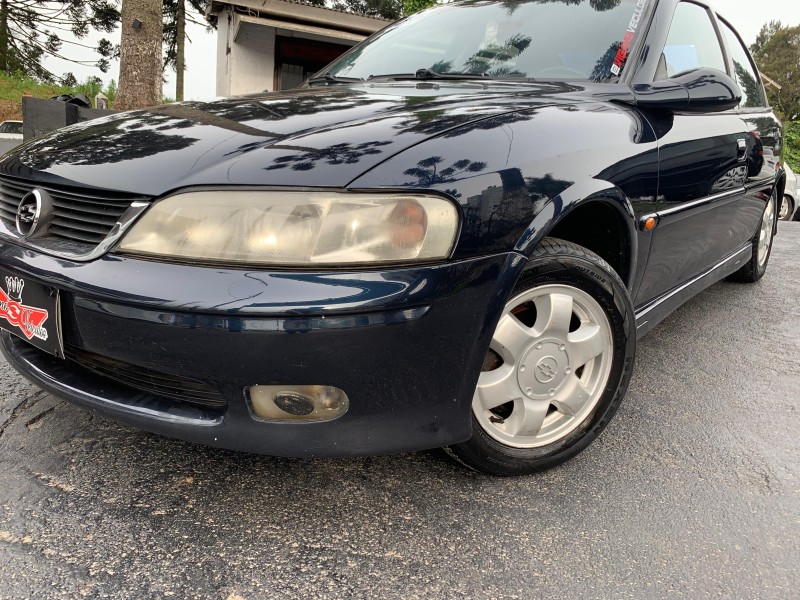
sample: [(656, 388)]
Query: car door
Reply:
[(764, 127), (702, 207)]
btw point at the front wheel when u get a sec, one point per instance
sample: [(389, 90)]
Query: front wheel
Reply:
[(557, 367)]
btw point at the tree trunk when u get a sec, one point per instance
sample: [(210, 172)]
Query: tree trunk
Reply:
[(140, 55), (4, 36), (180, 49)]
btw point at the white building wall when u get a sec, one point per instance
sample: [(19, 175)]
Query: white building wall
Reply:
[(245, 64), (224, 42), (253, 60)]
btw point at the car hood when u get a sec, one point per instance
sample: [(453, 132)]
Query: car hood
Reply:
[(321, 136)]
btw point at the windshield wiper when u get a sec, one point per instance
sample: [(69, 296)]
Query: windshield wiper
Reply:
[(429, 74), (331, 78)]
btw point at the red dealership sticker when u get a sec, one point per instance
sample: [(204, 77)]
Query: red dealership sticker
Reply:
[(630, 35), (29, 319), (31, 311)]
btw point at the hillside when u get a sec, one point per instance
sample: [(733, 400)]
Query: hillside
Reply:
[(12, 89)]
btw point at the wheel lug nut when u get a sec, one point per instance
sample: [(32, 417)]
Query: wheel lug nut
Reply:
[(529, 392), (567, 370), (539, 346), (522, 368), (562, 347), (551, 391)]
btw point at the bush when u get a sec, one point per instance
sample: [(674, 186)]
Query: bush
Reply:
[(791, 149), (13, 87), (412, 6)]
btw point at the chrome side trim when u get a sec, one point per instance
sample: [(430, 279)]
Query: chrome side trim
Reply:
[(700, 201), (674, 292), (124, 223), (756, 183)]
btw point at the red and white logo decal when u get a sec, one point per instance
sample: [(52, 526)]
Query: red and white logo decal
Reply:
[(28, 319), (630, 34)]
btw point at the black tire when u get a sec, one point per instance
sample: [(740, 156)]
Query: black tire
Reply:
[(754, 269), (790, 208), (559, 264)]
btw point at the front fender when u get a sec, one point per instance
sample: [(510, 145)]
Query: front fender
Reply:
[(574, 197)]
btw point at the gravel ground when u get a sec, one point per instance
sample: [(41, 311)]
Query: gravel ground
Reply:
[(692, 491)]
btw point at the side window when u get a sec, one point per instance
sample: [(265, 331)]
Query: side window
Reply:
[(692, 43), (746, 76)]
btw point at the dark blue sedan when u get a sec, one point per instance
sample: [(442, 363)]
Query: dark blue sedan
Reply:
[(451, 236)]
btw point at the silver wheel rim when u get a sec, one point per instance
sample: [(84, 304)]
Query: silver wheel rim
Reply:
[(548, 365), (765, 235), (784, 209)]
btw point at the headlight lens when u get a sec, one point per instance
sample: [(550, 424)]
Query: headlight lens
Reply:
[(296, 228)]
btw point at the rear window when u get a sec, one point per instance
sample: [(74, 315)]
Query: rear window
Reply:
[(11, 127), (746, 77)]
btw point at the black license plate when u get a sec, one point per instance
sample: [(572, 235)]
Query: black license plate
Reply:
[(30, 311)]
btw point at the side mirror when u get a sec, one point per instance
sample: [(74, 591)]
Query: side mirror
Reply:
[(698, 90)]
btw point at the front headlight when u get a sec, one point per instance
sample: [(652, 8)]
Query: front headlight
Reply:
[(296, 228)]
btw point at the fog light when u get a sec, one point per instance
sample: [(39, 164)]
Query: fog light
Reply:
[(297, 402), (294, 403)]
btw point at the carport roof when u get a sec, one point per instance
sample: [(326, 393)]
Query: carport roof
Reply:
[(299, 13)]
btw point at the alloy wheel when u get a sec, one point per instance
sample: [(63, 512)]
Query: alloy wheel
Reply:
[(547, 367), (765, 235), (786, 207)]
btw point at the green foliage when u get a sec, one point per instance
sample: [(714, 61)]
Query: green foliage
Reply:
[(777, 54), (111, 92), (412, 6), (31, 30), (13, 87), (388, 9), (91, 87), (767, 31), (791, 149), (170, 12)]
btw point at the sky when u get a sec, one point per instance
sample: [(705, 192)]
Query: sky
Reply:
[(746, 16), (201, 61)]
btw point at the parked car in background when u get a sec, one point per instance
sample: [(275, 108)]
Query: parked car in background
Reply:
[(797, 186), (789, 202), (788, 206), (11, 130), (451, 236)]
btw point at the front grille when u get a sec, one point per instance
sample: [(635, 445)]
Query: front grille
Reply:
[(81, 216), (147, 380)]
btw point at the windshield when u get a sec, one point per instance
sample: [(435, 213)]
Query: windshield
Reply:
[(535, 39)]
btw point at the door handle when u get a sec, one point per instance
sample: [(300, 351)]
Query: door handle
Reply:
[(741, 151)]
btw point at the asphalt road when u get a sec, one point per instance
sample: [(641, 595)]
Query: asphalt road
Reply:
[(692, 491), (6, 145)]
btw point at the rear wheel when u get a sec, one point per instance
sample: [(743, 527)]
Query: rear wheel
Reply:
[(787, 209), (755, 268), (558, 364)]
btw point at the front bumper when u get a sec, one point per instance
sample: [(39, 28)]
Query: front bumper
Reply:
[(405, 344)]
